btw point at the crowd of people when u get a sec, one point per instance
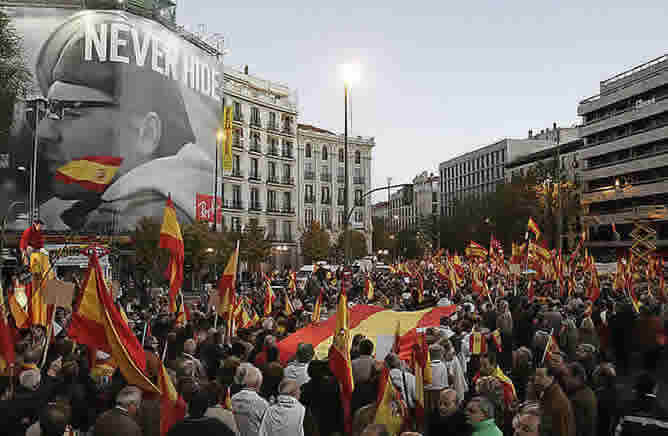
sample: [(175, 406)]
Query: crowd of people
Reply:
[(506, 361)]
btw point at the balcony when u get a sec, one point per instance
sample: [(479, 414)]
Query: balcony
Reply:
[(358, 180), (326, 200), (631, 215), (274, 208), (624, 117), (238, 144), (288, 181), (626, 166), (255, 122), (236, 173), (272, 127), (255, 177), (273, 179), (309, 175), (273, 151), (325, 177), (340, 179), (309, 199), (287, 153), (287, 128), (636, 190), (287, 237), (255, 148), (255, 206), (233, 204), (238, 118)]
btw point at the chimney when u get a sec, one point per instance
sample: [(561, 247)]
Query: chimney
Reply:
[(530, 133), (246, 69)]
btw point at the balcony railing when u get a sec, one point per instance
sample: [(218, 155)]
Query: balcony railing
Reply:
[(273, 208), (238, 143), (255, 122), (288, 181), (237, 173), (287, 153), (325, 177), (273, 179), (255, 176), (309, 175), (326, 200), (272, 126), (359, 202), (255, 148), (255, 206), (340, 179), (233, 204), (272, 151), (309, 199), (358, 180)]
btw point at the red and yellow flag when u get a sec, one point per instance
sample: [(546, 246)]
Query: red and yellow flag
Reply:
[(93, 173), (269, 298), (368, 289), (315, 316), (390, 407), (475, 250), (533, 227), (477, 343), (339, 359), (172, 406), (7, 352), (288, 310), (227, 285), (420, 289), (171, 239), (292, 284), (496, 338), (41, 269), (227, 403), (16, 307)]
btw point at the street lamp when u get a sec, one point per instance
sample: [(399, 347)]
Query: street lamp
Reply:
[(350, 74)]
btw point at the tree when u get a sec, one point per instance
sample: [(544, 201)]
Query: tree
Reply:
[(196, 253), (255, 249), (15, 78), (358, 248), (315, 243), (150, 260)]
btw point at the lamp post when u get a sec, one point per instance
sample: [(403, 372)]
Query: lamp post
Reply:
[(350, 75)]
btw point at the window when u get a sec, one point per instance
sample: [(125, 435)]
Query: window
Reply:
[(308, 217), (341, 199), (325, 156), (236, 165), (341, 155), (237, 111), (307, 151), (359, 216), (272, 120), (308, 191), (255, 198), (272, 171), (358, 173), (255, 173), (287, 149), (358, 157), (271, 225), (287, 173), (325, 218), (287, 231), (255, 117), (271, 200), (236, 224), (287, 201), (324, 194), (341, 218)]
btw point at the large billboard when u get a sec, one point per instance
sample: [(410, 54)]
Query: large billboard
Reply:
[(133, 110)]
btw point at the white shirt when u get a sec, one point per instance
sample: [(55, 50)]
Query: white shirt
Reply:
[(439, 376), (248, 408), (285, 418), (298, 372)]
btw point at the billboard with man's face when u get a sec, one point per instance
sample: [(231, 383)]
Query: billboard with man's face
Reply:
[(131, 116)]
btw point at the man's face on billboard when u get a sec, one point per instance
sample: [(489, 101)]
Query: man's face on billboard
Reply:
[(74, 132)]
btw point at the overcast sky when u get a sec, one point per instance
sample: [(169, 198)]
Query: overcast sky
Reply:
[(438, 78)]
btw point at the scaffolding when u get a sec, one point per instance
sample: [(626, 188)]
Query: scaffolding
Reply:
[(644, 244)]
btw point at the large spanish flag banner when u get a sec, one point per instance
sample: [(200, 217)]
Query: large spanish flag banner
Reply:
[(390, 408), (41, 272), (93, 173), (171, 239), (372, 322)]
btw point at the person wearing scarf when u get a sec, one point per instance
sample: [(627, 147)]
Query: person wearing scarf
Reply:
[(286, 417)]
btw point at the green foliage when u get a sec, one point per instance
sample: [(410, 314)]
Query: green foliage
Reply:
[(15, 78), (150, 261), (358, 248), (315, 243), (254, 249)]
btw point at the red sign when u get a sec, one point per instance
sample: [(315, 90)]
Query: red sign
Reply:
[(204, 208)]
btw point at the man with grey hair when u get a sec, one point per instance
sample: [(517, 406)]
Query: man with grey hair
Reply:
[(286, 417), (247, 405), (480, 414), (192, 365), (122, 419), (439, 377), (297, 370)]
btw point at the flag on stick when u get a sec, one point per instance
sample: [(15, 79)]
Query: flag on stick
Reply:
[(171, 239)]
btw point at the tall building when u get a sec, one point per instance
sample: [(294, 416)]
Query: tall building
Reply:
[(262, 186), (321, 175), (478, 172), (412, 206), (625, 155)]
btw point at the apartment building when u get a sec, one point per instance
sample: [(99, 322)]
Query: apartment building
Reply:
[(262, 186), (478, 172), (321, 175), (625, 156), (412, 205)]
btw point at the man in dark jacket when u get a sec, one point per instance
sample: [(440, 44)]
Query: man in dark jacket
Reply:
[(198, 424), (122, 419), (583, 399), (558, 417)]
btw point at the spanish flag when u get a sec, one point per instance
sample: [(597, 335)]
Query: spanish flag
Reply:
[(475, 250), (289, 310), (533, 227), (390, 407), (269, 298), (368, 289), (171, 239), (226, 286), (496, 338), (93, 173), (339, 359), (227, 403), (41, 272), (420, 368), (7, 353), (530, 290), (315, 316), (20, 316), (420, 288), (172, 406), (477, 343), (292, 284)]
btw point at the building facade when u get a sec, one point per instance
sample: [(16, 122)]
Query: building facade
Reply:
[(321, 176), (625, 155), (411, 206), (478, 172), (263, 184)]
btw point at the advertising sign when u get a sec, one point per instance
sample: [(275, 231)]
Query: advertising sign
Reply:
[(133, 110), (204, 208)]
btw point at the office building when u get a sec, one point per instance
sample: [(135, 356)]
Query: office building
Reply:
[(625, 156)]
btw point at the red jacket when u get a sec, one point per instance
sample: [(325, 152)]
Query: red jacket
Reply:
[(31, 237)]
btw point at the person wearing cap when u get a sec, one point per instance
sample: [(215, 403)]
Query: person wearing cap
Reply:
[(31, 240), (123, 111), (297, 370)]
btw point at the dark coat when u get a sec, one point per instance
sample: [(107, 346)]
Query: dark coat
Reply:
[(585, 408), (454, 425), (201, 427), (558, 417), (116, 422), (321, 398)]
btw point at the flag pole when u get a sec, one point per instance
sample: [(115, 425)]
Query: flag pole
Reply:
[(143, 336), (547, 346)]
